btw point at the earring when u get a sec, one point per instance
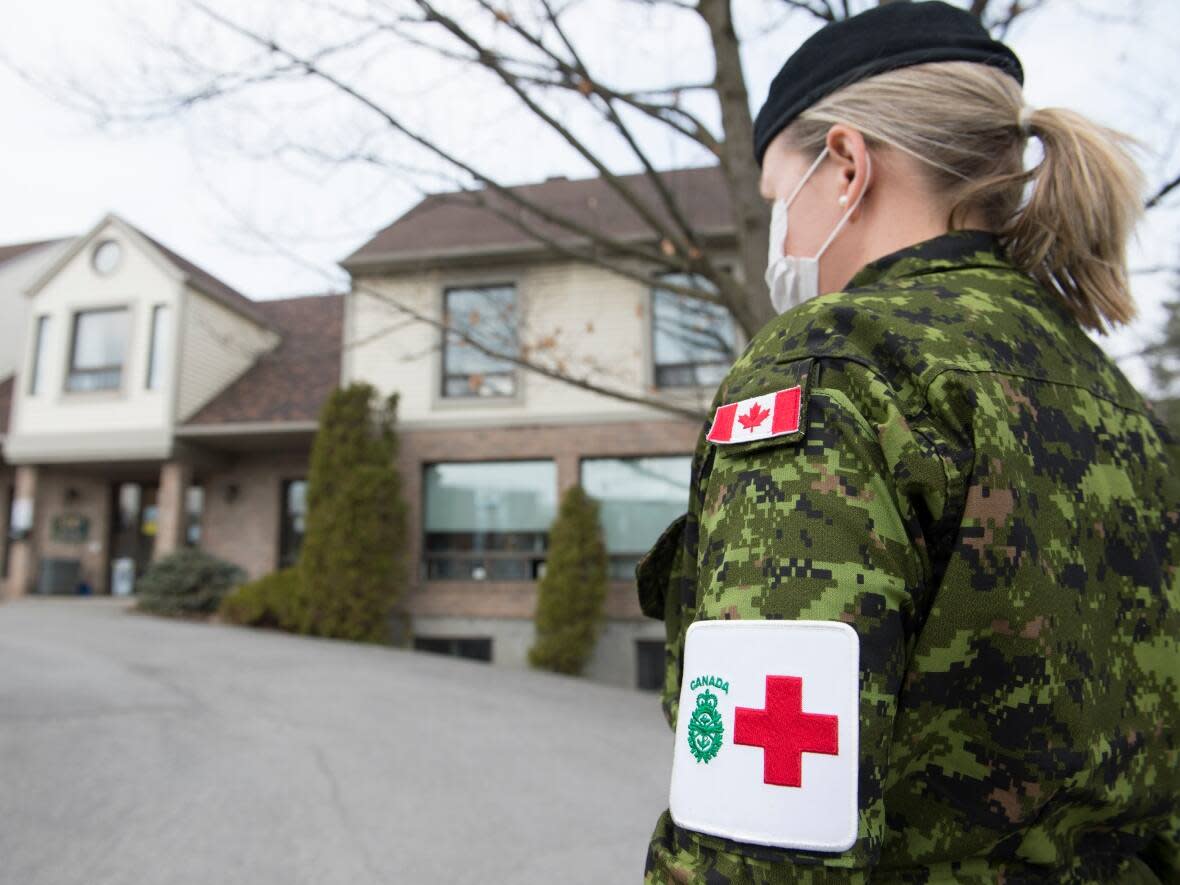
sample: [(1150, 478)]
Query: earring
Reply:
[(843, 200)]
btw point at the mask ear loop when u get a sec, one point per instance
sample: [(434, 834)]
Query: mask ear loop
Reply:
[(807, 175), (851, 209), (777, 215)]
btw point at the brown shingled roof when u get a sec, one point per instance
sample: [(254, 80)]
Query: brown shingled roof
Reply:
[(203, 281), (5, 401), (293, 381), (15, 250), (453, 223)]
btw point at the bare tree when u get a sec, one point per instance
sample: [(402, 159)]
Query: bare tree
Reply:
[(542, 69)]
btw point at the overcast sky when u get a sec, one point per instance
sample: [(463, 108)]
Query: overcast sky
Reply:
[(275, 224)]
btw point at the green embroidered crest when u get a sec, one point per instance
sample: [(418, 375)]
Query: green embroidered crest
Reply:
[(705, 729)]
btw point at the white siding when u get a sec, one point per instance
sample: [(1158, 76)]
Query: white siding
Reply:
[(207, 347), (47, 424), (586, 321), (15, 276), (217, 346)]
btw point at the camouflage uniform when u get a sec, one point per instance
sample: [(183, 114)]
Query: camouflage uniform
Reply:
[(981, 494)]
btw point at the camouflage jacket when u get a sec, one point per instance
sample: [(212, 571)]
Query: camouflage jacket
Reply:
[(979, 492)]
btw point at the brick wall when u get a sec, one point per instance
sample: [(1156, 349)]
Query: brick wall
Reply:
[(61, 493), (243, 505), (566, 445), (243, 527)]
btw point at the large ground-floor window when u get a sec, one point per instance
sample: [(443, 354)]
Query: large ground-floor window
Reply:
[(638, 498), (488, 521)]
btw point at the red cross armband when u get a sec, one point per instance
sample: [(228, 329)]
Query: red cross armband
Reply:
[(767, 733)]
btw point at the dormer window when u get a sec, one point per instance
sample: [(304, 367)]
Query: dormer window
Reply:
[(98, 349)]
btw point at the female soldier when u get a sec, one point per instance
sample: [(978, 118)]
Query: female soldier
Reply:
[(923, 613)]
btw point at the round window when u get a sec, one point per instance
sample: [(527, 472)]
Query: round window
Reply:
[(106, 256)]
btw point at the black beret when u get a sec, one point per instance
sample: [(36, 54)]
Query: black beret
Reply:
[(883, 38)]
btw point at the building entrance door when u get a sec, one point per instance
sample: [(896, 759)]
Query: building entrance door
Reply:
[(134, 523)]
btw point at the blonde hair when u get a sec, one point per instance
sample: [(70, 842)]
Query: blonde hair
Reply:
[(963, 121)]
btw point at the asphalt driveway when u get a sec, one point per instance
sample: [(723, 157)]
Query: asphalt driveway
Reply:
[(144, 751)]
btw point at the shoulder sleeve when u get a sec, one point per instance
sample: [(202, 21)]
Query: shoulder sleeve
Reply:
[(824, 524), (660, 578)]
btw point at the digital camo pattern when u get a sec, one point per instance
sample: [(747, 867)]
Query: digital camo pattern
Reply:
[(984, 497)]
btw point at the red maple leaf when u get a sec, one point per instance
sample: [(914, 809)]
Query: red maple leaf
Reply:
[(754, 417)]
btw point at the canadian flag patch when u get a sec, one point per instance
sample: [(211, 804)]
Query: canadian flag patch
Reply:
[(759, 417), (767, 734)]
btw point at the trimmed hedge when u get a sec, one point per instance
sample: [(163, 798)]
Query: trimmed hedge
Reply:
[(271, 601), (573, 591), (187, 582)]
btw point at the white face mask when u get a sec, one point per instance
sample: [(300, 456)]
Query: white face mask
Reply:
[(791, 279)]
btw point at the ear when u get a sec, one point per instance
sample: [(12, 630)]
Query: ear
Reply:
[(846, 147)]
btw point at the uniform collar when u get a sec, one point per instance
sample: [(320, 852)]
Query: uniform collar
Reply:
[(960, 248)]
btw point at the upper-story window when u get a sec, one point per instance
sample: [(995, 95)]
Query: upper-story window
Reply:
[(40, 342), (487, 316), (157, 352), (98, 349), (694, 342)]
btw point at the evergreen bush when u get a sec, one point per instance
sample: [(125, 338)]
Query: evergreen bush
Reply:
[(271, 601), (187, 582), (573, 590), (352, 562)]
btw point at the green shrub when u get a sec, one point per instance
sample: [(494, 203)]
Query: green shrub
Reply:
[(352, 562), (271, 601), (573, 591), (186, 582)]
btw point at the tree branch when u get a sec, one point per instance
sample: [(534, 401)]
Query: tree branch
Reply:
[(591, 258), (663, 404), (678, 238), (667, 404), (664, 258), (821, 9), (1163, 191)]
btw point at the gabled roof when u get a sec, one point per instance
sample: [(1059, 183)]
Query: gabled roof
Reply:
[(204, 282), (292, 382), (454, 224), (197, 277), (15, 250)]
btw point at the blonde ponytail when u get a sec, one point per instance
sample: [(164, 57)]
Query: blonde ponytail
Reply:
[(1085, 201), (968, 124)]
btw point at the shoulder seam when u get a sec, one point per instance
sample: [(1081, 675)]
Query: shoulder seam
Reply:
[(925, 390), (993, 371)]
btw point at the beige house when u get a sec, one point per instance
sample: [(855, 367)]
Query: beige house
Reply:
[(153, 406), (487, 447)]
